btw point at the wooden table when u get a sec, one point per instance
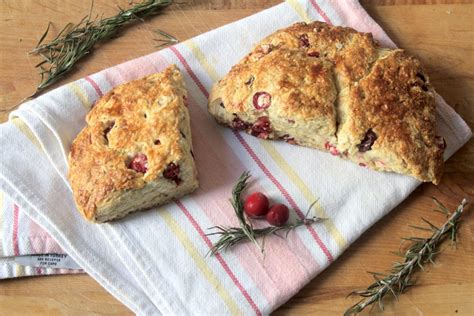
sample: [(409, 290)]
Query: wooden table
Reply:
[(440, 34)]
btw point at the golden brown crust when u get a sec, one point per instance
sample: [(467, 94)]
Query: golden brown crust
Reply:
[(139, 117), (396, 101), (378, 90), (292, 81)]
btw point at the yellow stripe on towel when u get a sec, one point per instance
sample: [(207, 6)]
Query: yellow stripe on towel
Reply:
[(198, 53), (80, 95), (200, 262), (19, 270), (21, 125), (299, 9)]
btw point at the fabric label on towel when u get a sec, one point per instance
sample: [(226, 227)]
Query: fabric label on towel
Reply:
[(48, 260)]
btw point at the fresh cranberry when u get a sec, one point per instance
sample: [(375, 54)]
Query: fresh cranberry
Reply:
[(440, 142), (313, 54), (362, 164), (239, 125), (368, 141), (172, 172), (139, 163), (278, 215), (304, 41), (256, 205), (157, 142), (262, 127), (332, 149), (262, 100)]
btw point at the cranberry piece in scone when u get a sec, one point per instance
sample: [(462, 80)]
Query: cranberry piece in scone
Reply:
[(239, 125), (332, 149), (139, 163), (172, 172), (262, 127), (368, 141), (262, 100), (304, 41)]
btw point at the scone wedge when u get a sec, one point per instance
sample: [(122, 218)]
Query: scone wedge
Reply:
[(335, 89), (136, 149)]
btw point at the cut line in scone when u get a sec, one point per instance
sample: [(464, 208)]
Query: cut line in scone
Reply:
[(136, 149), (335, 89)]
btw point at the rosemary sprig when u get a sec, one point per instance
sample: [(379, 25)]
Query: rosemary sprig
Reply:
[(76, 41), (419, 252), (230, 236)]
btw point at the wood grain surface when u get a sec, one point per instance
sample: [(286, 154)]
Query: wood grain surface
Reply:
[(439, 32)]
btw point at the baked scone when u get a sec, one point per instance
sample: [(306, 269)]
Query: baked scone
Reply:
[(335, 89), (136, 150)]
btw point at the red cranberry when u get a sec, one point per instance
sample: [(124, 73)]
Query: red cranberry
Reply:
[(256, 205), (239, 125), (172, 172), (368, 141), (262, 100), (332, 149), (313, 54), (278, 215), (304, 41), (139, 163), (262, 127)]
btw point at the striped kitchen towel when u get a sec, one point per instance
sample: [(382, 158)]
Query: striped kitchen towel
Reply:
[(25, 248), (155, 262)]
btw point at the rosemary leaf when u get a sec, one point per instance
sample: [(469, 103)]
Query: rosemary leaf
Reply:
[(165, 40), (76, 41), (419, 252)]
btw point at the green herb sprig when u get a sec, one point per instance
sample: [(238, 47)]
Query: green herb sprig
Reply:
[(419, 252), (230, 236), (76, 41)]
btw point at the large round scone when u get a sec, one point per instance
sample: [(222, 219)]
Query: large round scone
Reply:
[(136, 150), (335, 89)]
